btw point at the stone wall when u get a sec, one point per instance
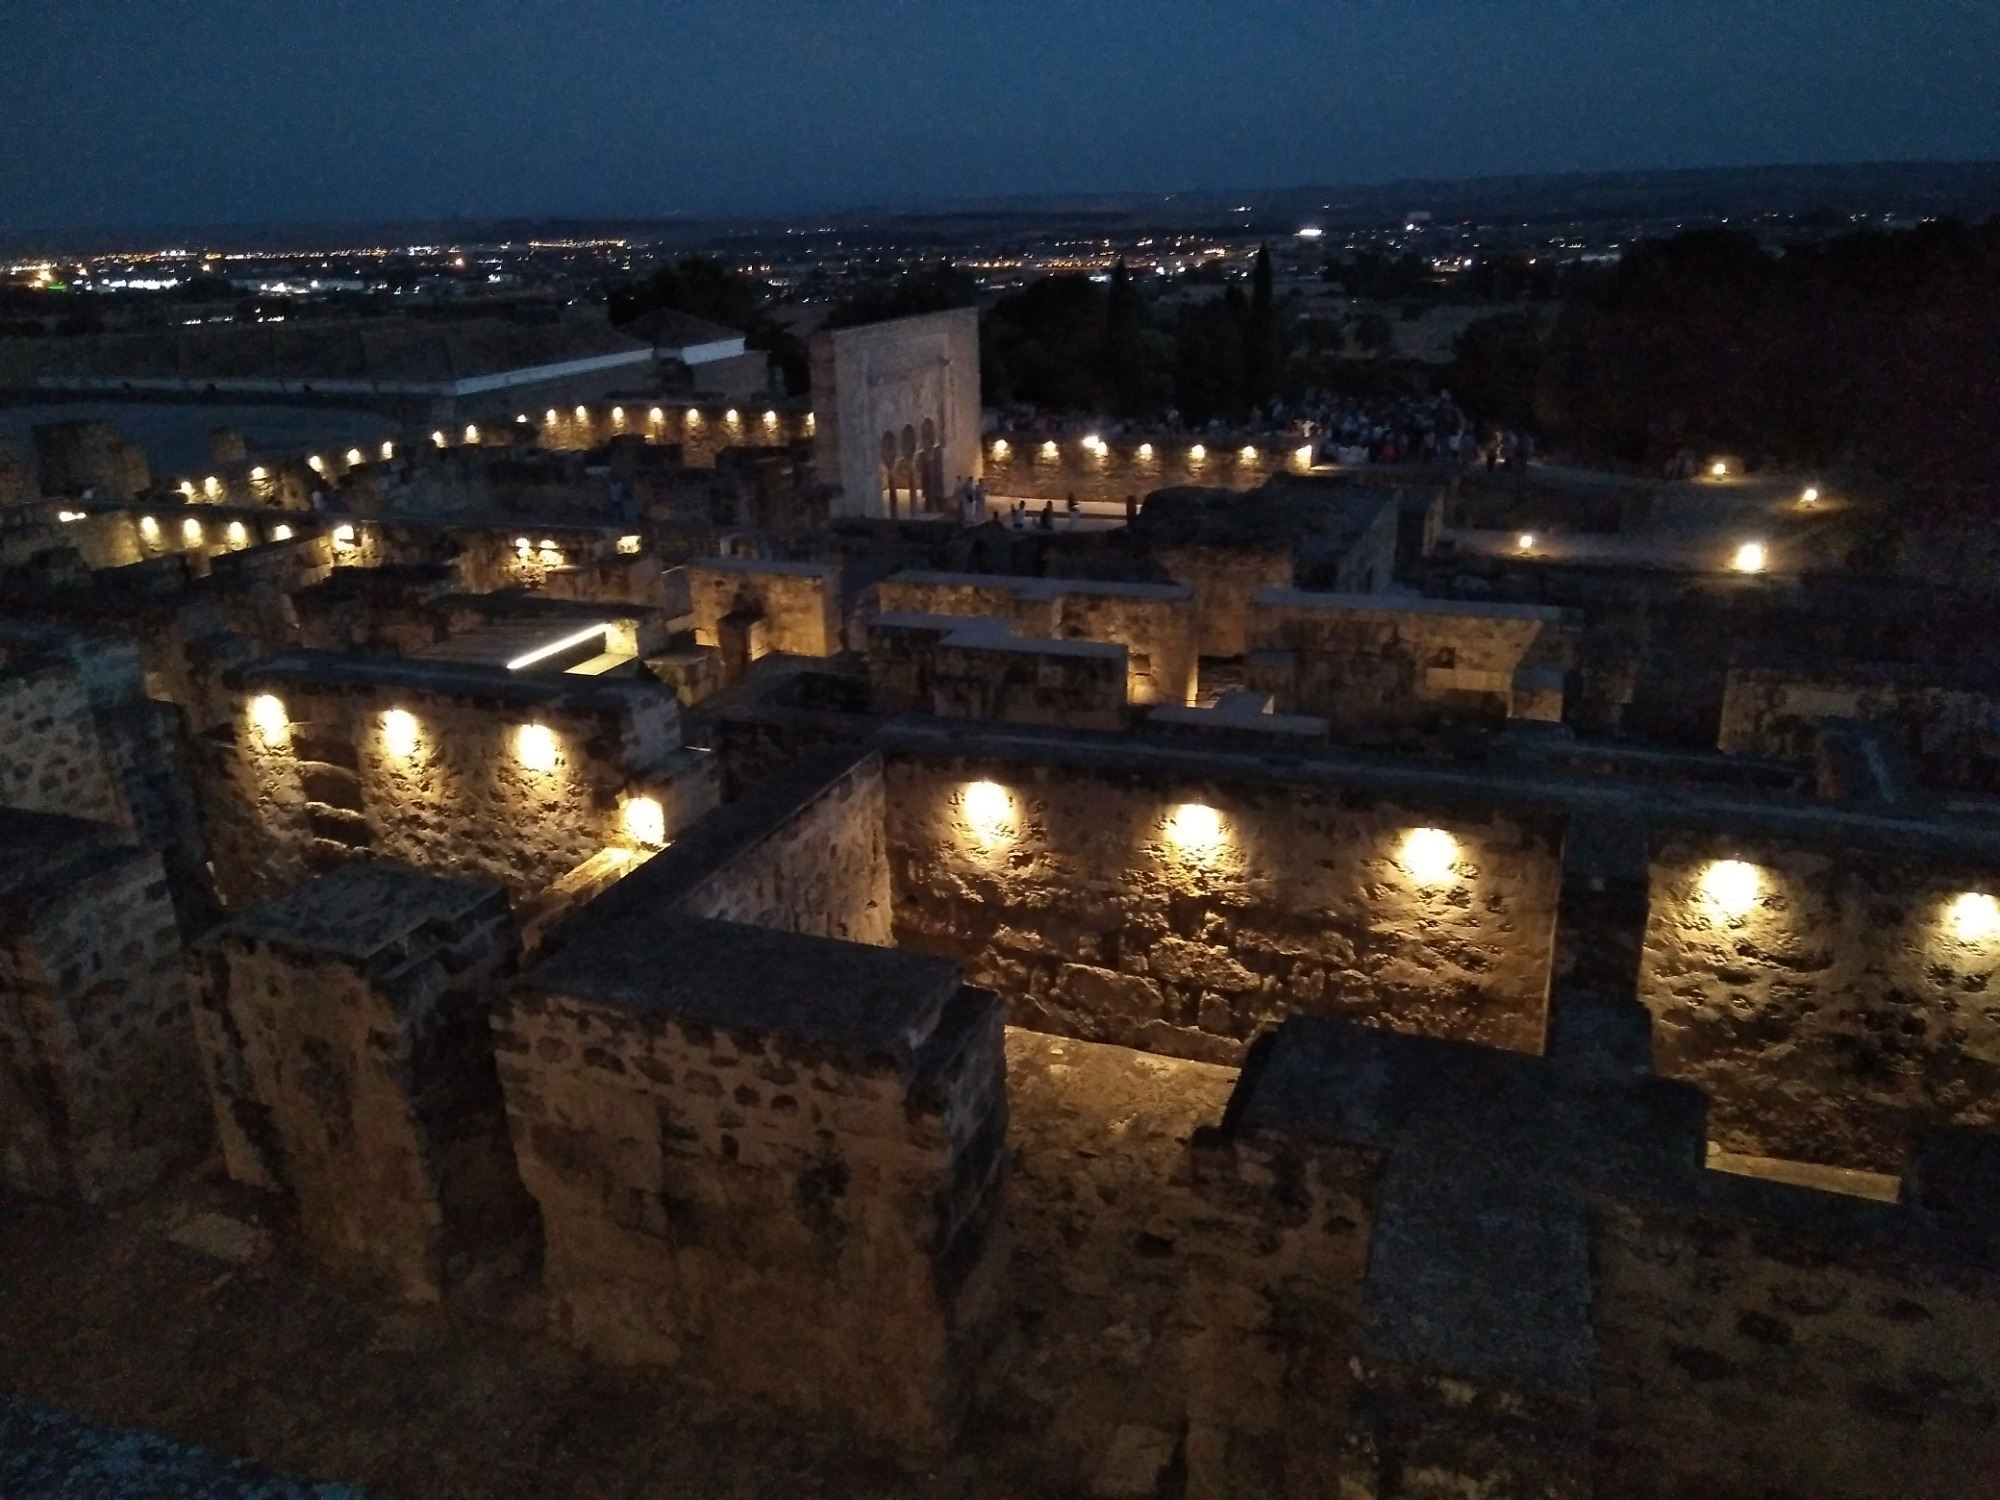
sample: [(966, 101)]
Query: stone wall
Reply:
[(772, 1161), (344, 1034), (98, 1077), (1771, 1341), (1112, 897), (975, 668), (51, 757), (1155, 623), (1945, 722), (1366, 661), (799, 603), (509, 777), (1224, 580), (913, 381), (1039, 468), (803, 852), (1829, 997)]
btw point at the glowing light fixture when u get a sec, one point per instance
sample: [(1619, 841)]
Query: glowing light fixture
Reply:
[(1197, 453), (211, 485), (628, 545), (543, 653), (1049, 449), (535, 747), (388, 450), (236, 534), (656, 415), (187, 488), (191, 530), (812, 421), (471, 432), (1195, 830), (549, 415), (1248, 453), (583, 414), (281, 533), (260, 472), (1718, 471), (1729, 887), (520, 419), (1751, 557), (617, 413), (999, 447), (693, 417), (344, 534), (400, 732), (989, 813), (770, 419), (522, 544), (353, 456), (645, 821), (268, 714), (1525, 542), (69, 515), (1429, 856), (1145, 450), (1975, 918), (149, 528), (731, 417), (316, 463), (1810, 497), (1304, 456)]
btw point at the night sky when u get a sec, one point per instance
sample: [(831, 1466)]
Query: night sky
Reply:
[(207, 111)]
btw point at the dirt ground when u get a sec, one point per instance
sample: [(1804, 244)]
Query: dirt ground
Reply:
[(229, 1347)]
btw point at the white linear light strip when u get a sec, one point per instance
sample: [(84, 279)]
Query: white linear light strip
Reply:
[(543, 653)]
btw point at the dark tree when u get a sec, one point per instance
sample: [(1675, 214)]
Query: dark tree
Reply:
[(1262, 354), (1125, 379)]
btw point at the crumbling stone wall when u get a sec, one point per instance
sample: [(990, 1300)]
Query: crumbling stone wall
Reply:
[(1367, 660), (51, 757), (1225, 580), (1946, 722), (1823, 997), (1155, 623), (1774, 1341), (975, 668), (465, 792), (98, 1077), (344, 1035), (799, 603), (822, 869), (1075, 886), (773, 1161)]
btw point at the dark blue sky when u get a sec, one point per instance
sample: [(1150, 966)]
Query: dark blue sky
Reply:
[(202, 111)]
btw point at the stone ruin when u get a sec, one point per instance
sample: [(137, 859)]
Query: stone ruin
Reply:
[(1184, 1013)]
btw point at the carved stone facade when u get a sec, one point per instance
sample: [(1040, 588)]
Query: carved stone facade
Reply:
[(897, 412)]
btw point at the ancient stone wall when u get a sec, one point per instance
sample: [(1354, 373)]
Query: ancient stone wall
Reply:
[(1155, 623), (1115, 902), (770, 1160), (1828, 997), (51, 756), (1781, 1342), (344, 1036), (910, 383), (1224, 580), (1946, 722), (1367, 660), (98, 1076), (1035, 468), (508, 777), (799, 603), (975, 668)]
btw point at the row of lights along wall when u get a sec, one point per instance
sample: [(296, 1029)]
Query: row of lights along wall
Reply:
[(236, 534), (1195, 453), (1199, 834), (537, 749), (1729, 890), (693, 417)]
